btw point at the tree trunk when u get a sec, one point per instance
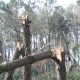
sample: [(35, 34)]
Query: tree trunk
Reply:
[(60, 68), (9, 74), (1, 56), (27, 42), (1, 47), (26, 60)]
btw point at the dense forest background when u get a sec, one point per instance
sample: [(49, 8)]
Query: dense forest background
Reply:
[(49, 24)]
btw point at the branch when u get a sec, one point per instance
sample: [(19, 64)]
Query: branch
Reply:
[(25, 61)]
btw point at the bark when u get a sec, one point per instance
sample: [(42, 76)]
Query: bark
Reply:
[(26, 60), (60, 54), (27, 42), (60, 68), (1, 56), (9, 74), (37, 57), (1, 47)]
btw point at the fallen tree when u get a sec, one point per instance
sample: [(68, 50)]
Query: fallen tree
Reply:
[(25, 61), (56, 56)]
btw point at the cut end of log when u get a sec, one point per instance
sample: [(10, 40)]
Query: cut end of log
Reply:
[(57, 55), (17, 44), (23, 17)]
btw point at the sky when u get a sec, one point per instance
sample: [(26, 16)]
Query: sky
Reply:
[(63, 3), (66, 3)]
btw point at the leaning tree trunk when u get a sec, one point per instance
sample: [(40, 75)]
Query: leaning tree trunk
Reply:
[(9, 74)]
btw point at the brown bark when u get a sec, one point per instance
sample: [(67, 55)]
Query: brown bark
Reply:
[(60, 68), (60, 54), (34, 58), (1, 56), (25, 61), (9, 74), (27, 42)]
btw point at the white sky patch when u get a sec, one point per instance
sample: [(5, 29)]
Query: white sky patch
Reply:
[(6, 1), (63, 3), (21, 10), (66, 3)]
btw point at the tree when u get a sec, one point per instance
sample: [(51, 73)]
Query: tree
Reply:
[(49, 29), (26, 42), (31, 59)]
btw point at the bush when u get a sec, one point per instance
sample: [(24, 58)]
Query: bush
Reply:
[(46, 76), (2, 76), (34, 71), (73, 75)]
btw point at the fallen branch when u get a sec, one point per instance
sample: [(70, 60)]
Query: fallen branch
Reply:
[(25, 61)]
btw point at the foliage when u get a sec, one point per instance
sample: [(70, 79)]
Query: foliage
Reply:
[(73, 75), (46, 76), (51, 76), (75, 47), (78, 2), (34, 72), (58, 22), (18, 74), (2, 76), (56, 19), (5, 7)]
